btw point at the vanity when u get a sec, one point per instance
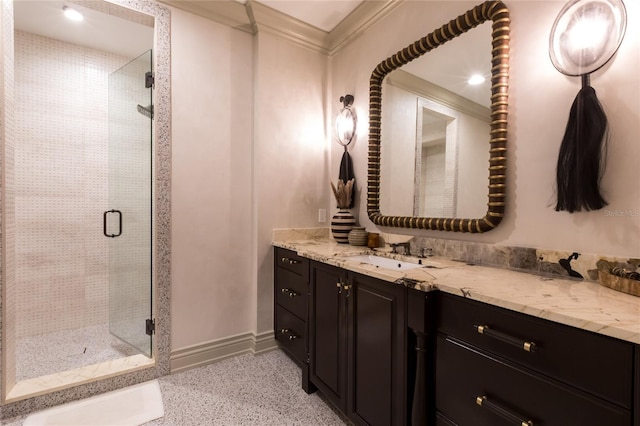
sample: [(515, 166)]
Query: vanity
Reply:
[(449, 343)]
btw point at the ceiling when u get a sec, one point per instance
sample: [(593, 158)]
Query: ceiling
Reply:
[(322, 14), (107, 30), (113, 29)]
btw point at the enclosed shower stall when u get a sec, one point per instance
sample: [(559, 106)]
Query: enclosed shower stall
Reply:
[(83, 190)]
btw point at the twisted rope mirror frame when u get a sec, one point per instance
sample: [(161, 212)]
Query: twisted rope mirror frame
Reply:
[(497, 12)]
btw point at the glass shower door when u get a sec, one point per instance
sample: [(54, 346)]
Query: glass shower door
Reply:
[(128, 223)]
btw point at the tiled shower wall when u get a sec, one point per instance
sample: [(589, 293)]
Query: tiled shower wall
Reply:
[(60, 184), (8, 202)]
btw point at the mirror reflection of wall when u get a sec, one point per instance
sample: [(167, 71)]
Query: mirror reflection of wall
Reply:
[(433, 119), (435, 162)]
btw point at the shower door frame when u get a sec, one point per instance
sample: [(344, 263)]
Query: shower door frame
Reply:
[(56, 394)]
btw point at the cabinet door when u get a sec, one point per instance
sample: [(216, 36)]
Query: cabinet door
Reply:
[(377, 356), (327, 333)]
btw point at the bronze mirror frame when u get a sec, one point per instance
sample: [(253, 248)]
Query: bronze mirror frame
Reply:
[(497, 12)]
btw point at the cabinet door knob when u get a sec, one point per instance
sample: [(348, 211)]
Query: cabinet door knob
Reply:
[(347, 288), (289, 292), (500, 411)]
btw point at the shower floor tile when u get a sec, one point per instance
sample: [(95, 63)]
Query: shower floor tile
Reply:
[(61, 351)]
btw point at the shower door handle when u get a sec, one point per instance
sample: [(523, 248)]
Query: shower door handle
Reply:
[(104, 223)]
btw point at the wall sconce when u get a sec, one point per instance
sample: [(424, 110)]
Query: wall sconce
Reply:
[(585, 36), (346, 121)]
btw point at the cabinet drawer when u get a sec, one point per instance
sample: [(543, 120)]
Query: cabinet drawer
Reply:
[(597, 364), (463, 375), (289, 260), (292, 292), (291, 333)]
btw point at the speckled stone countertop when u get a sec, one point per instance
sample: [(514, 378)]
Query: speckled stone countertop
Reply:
[(580, 304)]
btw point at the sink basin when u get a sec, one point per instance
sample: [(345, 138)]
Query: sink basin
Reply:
[(383, 262)]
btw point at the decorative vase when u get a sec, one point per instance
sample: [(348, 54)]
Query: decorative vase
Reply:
[(358, 236), (341, 224)]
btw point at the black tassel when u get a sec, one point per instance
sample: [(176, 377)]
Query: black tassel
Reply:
[(346, 174), (580, 162)]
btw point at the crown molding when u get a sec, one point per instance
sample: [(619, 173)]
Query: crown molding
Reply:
[(272, 21), (253, 16), (426, 89), (230, 13), (362, 18)]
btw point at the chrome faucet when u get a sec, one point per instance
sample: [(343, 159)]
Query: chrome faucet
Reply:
[(425, 252), (406, 246)]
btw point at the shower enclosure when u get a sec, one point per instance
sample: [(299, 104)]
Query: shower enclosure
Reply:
[(68, 290), (83, 205)]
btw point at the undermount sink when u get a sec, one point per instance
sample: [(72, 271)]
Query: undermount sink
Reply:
[(383, 262)]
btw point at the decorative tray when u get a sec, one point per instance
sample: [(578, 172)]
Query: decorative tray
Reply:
[(624, 285)]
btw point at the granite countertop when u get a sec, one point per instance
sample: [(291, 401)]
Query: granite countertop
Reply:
[(580, 304)]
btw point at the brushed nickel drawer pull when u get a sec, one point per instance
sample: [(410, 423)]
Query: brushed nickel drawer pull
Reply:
[(527, 346), (290, 261), (284, 331), (483, 401), (292, 337)]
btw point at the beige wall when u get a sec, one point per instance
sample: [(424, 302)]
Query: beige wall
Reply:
[(212, 283), (540, 98), (232, 186), (290, 157)]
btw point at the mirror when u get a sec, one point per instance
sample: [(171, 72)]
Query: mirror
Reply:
[(431, 137)]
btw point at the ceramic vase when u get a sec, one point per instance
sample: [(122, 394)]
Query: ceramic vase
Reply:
[(341, 224), (358, 236)]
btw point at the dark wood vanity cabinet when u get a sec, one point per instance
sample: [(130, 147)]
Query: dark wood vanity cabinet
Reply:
[(291, 312), (498, 367), (388, 355), (358, 344)]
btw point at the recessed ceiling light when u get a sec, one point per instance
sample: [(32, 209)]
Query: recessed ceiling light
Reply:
[(72, 14), (475, 80)]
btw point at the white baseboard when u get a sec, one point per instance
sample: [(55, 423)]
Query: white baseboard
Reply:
[(217, 350)]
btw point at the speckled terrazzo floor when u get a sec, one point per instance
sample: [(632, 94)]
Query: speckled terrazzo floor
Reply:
[(56, 352), (246, 390)]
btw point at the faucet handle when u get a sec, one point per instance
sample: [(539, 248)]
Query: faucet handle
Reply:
[(426, 252)]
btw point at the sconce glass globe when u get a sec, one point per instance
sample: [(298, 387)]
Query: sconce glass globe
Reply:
[(586, 34), (346, 125)]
